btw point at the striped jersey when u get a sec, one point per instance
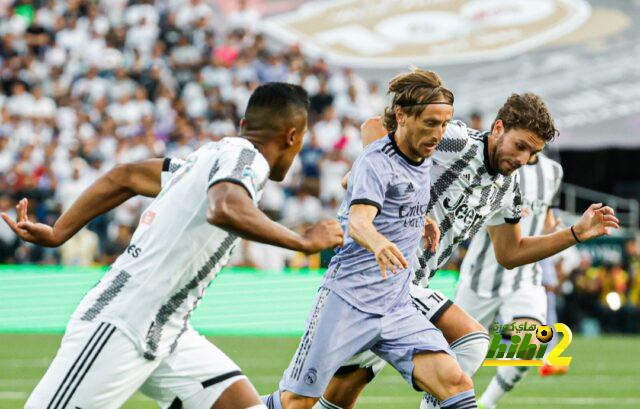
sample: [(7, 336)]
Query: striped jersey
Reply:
[(539, 186), (466, 194), (151, 289)]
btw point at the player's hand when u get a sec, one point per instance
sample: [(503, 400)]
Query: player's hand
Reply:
[(389, 257), (323, 235), (345, 180), (596, 221), (38, 233), (524, 212), (431, 234), (372, 130)]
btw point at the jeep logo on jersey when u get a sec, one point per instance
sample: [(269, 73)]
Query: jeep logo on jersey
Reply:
[(461, 210), (396, 33)]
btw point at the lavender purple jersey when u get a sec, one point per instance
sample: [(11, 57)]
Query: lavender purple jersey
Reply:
[(398, 187)]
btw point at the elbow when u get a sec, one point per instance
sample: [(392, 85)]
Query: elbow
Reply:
[(351, 227), (507, 262), (120, 176), (219, 214)]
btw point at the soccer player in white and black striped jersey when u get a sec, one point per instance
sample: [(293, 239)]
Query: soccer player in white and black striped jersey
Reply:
[(131, 331), (474, 185), (486, 289)]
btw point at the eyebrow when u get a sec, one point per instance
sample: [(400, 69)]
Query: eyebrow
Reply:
[(533, 152), (434, 119)]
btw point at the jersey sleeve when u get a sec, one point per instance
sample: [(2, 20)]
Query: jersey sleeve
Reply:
[(169, 167), (454, 141), (245, 167), (370, 178), (558, 174), (510, 212)]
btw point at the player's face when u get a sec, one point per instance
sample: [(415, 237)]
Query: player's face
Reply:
[(514, 149), (294, 136), (425, 131)]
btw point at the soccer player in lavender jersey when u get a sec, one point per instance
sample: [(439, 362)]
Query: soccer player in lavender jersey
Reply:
[(474, 185), (131, 331), (360, 306)]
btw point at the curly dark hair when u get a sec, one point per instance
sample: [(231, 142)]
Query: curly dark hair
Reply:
[(412, 91), (527, 111)]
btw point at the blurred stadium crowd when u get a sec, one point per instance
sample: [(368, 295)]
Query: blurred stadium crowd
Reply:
[(90, 84)]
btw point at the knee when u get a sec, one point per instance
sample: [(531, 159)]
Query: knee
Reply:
[(460, 382)]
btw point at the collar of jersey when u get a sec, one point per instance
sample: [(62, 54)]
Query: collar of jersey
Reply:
[(239, 140), (399, 152), (490, 170)]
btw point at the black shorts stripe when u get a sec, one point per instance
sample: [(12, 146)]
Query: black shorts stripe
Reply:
[(221, 378), (98, 332), (166, 163), (420, 305), (93, 359), (436, 316), (176, 404), (72, 382)]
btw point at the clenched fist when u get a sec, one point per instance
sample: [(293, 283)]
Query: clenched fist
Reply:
[(322, 235)]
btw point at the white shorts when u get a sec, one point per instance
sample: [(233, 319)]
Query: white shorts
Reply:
[(525, 302), (97, 366)]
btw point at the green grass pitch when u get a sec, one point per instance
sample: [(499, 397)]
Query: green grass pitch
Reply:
[(604, 373)]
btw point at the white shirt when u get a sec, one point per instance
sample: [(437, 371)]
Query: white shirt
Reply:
[(466, 195), (539, 185), (174, 254)]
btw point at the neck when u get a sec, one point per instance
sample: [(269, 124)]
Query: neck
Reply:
[(263, 145), (492, 146), (403, 145)]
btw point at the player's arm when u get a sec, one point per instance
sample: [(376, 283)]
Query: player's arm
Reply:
[(231, 208), (110, 190), (551, 223), (513, 250), (362, 230)]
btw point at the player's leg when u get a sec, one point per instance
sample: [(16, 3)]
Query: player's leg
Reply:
[(525, 306), (468, 338), (335, 331), (439, 374), (96, 366), (350, 380), (198, 375), (419, 351)]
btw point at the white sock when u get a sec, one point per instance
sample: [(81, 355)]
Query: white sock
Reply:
[(505, 379), (325, 404), (470, 350)]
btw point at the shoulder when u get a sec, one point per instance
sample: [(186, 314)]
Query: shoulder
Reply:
[(381, 151), (458, 137), (555, 167)]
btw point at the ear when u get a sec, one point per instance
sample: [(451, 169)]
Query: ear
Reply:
[(498, 128), (400, 116), (290, 136), (243, 123)]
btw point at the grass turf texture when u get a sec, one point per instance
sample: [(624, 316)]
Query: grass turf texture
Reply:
[(604, 373)]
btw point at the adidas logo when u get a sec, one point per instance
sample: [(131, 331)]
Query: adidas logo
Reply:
[(467, 177), (410, 188)]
